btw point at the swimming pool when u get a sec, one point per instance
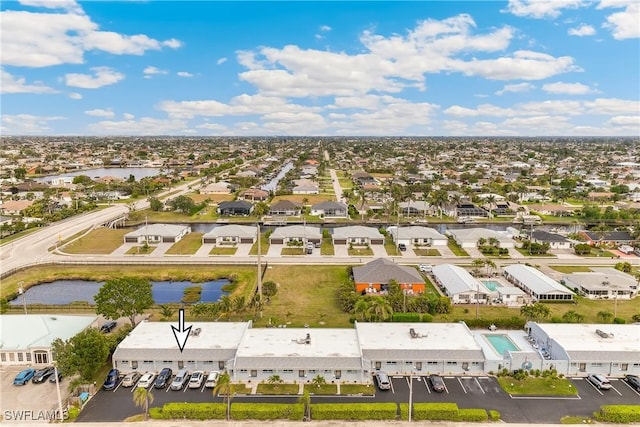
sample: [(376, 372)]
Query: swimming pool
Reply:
[(491, 284), (501, 343)]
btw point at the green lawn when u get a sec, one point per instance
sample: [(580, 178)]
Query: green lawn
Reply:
[(457, 250), (326, 248), (538, 386), (264, 245), (571, 268), (307, 295), (364, 389), (188, 245), (98, 241), (526, 253), (292, 251), (391, 247), (264, 388), (427, 252), (141, 250), (360, 252), (324, 389), (223, 250)]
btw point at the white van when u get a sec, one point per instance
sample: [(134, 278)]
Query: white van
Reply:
[(599, 381)]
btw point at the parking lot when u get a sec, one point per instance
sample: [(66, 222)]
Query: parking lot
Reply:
[(467, 392)]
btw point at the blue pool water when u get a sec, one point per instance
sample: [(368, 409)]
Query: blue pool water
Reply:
[(61, 292), (491, 284), (501, 343)]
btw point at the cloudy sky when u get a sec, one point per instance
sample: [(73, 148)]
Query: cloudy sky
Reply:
[(517, 67)]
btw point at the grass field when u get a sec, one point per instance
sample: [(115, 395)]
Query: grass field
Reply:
[(264, 388), (98, 241), (141, 250), (188, 245), (571, 268), (264, 245), (363, 389), (312, 199), (213, 198), (427, 252), (457, 250), (327, 247), (307, 295), (538, 386), (292, 251), (360, 252), (324, 389), (223, 250)]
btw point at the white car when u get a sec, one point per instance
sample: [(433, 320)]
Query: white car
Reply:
[(212, 379), (425, 268), (197, 377), (146, 380)]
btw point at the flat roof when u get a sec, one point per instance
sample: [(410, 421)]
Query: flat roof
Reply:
[(432, 336), (22, 332), (457, 280), (583, 337), (535, 280)]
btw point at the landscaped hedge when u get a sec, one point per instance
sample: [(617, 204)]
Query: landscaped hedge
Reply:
[(618, 413), (190, 411), (435, 411), (354, 411), (267, 411), (500, 323), (494, 415), (405, 317), (473, 415)]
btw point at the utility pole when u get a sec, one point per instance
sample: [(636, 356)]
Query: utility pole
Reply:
[(259, 269), (410, 394)]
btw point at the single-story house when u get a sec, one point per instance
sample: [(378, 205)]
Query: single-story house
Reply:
[(468, 237), (158, 233), (26, 339), (536, 284), (554, 240), (285, 208), (14, 207), (254, 194), (235, 207), (608, 237), (231, 234), (357, 235), (306, 189), (376, 275), (414, 208), (417, 235), (511, 296), (459, 285), (220, 187), (470, 210), (603, 282), (295, 233), (330, 209)]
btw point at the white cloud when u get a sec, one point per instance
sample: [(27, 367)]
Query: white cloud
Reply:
[(17, 84), (26, 124), (99, 112), (633, 121), (542, 8), (567, 88), (36, 39), (75, 95), (582, 30), (70, 5), (128, 116), (143, 126), (150, 71), (104, 76), (325, 28), (611, 106), (184, 74), (221, 61), (517, 87), (625, 24)]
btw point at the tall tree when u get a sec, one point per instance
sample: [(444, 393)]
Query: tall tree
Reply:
[(143, 398), (224, 387), (82, 354), (305, 399), (124, 297)]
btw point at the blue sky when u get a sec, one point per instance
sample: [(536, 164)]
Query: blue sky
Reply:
[(433, 68)]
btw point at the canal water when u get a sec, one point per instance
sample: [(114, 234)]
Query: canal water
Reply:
[(61, 292)]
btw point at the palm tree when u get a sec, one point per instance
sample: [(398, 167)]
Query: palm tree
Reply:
[(143, 397), (361, 309), (224, 387), (380, 309), (275, 379), (490, 266), (491, 199), (319, 380), (305, 399), (225, 304), (477, 264), (440, 198), (166, 311)]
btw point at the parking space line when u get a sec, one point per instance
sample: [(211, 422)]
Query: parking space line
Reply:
[(632, 389), (478, 382), (616, 390), (426, 384), (577, 397), (461, 385), (117, 387), (594, 387), (167, 389), (392, 389)]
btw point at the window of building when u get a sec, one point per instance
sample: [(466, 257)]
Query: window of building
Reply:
[(287, 371), (254, 372), (624, 366), (338, 374), (221, 364), (378, 365), (432, 363), (452, 363), (419, 366), (3, 357), (28, 356), (301, 373), (267, 371), (134, 364), (20, 357)]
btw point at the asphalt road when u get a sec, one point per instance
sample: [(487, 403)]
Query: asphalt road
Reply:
[(467, 392)]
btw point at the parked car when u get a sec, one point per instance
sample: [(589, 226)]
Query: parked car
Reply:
[(131, 379), (402, 247), (42, 375), (425, 268), (310, 248), (24, 376), (112, 380), (163, 378), (633, 381), (108, 327), (599, 381), (383, 381), (52, 378), (197, 377), (146, 380), (212, 379), (180, 380), (437, 383)]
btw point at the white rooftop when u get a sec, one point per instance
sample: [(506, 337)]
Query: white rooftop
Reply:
[(535, 280), (21, 332), (458, 280), (233, 230), (433, 336), (583, 337), (158, 230)]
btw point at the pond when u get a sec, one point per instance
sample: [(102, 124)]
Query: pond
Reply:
[(61, 292)]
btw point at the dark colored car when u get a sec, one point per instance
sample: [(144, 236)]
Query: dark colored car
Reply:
[(42, 375), (437, 383), (108, 327), (24, 376), (112, 380), (633, 381), (53, 378), (402, 247), (163, 378)]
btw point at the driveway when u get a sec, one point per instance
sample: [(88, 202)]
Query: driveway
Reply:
[(379, 251)]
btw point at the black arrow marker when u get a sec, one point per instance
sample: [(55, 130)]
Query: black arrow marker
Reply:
[(181, 333)]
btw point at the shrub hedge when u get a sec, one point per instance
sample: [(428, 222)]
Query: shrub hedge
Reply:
[(500, 323), (473, 415), (405, 317), (494, 415), (618, 413), (190, 411), (267, 411), (354, 411), (435, 411)]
